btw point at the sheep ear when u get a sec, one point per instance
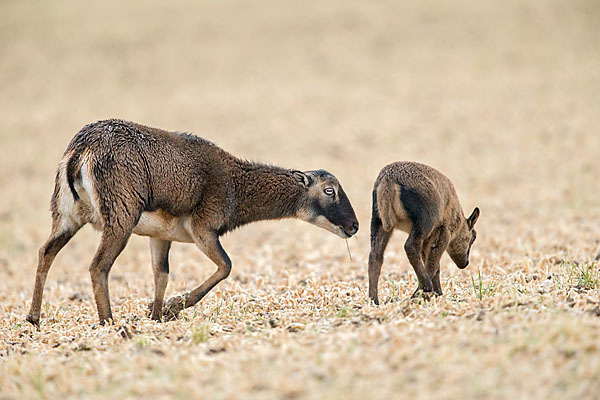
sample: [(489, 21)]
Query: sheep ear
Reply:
[(473, 218), (302, 178)]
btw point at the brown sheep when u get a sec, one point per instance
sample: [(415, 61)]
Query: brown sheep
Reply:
[(126, 178), (421, 201)]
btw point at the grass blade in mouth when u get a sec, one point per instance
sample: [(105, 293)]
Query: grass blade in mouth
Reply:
[(348, 247)]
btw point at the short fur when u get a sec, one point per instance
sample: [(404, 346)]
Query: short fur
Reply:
[(126, 178), (421, 201)]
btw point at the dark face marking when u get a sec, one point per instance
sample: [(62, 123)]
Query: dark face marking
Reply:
[(329, 206), (460, 248)]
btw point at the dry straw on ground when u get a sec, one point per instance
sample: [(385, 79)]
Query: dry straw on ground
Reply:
[(501, 96)]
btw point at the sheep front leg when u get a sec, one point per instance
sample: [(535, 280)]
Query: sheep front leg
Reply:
[(160, 267), (436, 246), (211, 246), (413, 248)]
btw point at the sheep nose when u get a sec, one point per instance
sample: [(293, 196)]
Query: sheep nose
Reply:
[(354, 227)]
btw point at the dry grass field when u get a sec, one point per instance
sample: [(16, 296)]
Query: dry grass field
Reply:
[(504, 97)]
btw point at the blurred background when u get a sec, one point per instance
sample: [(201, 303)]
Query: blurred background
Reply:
[(501, 96)]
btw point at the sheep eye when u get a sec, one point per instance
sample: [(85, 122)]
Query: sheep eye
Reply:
[(329, 191)]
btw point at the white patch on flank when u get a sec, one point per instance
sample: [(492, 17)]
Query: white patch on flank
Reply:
[(403, 221), (391, 209), (89, 206), (65, 202), (163, 225)]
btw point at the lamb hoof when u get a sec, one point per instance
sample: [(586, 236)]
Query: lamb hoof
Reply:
[(33, 321), (420, 295)]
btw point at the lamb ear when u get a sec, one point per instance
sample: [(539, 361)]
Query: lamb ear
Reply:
[(302, 178), (473, 218)]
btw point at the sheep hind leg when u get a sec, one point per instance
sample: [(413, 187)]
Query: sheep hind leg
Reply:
[(379, 241), (110, 247), (437, 286), (59, 237)]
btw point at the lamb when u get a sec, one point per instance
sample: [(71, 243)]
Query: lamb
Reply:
[(126, 178), (421, 201)]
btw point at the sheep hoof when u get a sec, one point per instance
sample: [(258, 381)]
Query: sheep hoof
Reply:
[(33, 321), (173, 307), (421, 295)]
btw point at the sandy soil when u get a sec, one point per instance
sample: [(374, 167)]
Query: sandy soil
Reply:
[(503, 97)]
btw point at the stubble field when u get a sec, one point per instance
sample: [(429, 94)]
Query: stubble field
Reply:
[(502, 97)]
